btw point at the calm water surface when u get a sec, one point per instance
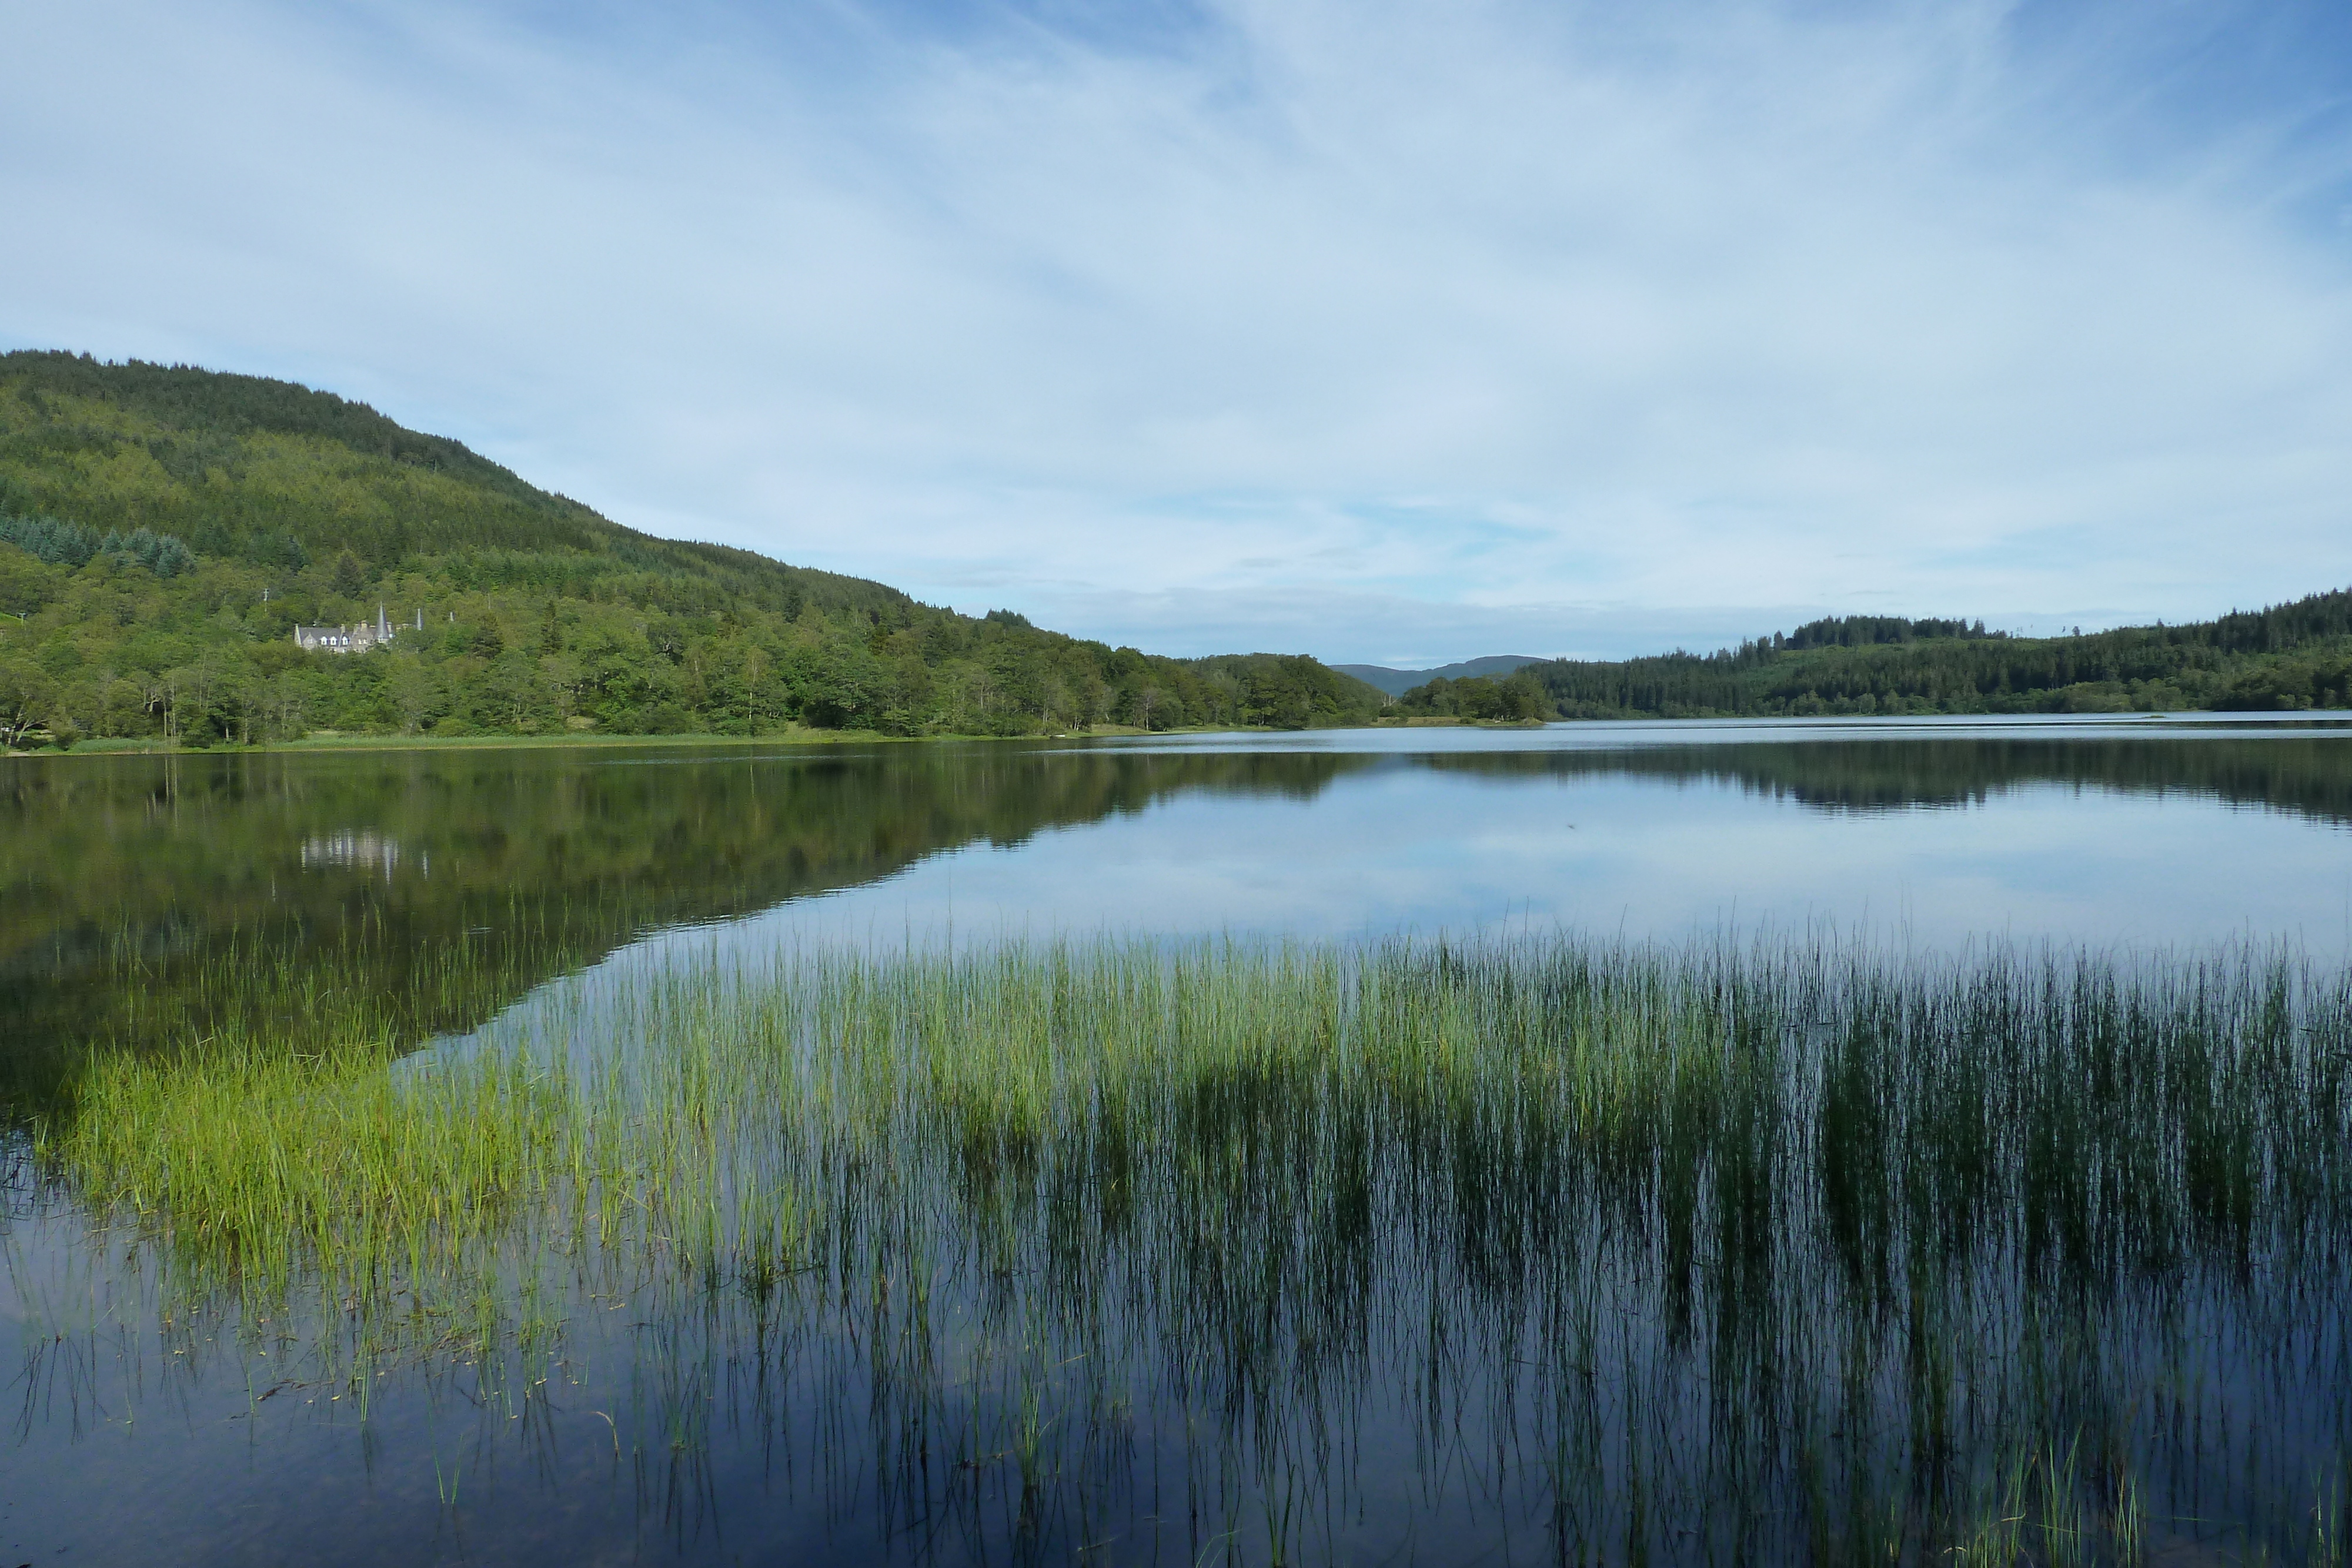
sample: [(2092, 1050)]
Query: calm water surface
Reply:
[(2134, 836), (2133, 831)]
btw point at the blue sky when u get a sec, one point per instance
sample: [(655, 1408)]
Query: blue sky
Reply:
[(1386, 330)]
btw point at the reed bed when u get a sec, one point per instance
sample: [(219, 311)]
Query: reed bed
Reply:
[(362, 982), (1776, 1253)]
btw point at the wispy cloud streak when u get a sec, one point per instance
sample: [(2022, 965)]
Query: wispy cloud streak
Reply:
[(1351, 323)]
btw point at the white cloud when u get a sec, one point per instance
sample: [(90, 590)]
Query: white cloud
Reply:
[(1377, 330)]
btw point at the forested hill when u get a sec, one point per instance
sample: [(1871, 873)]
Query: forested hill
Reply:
[(164, 530), (1396, 682), (2290, 656)]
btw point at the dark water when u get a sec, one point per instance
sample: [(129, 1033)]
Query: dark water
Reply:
[(134, 1445)]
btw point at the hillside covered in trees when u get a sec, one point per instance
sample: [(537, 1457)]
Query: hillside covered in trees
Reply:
[(2290, 656), (164, 530)]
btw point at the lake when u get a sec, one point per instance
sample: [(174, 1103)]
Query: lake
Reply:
[(1699, 1141)]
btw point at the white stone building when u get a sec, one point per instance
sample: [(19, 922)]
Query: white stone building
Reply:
[(346, 639)]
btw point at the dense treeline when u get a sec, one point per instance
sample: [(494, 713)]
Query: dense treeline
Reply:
[(164, 530), (1871, 631), (60, 543), (1517, 698), (2290, 656)]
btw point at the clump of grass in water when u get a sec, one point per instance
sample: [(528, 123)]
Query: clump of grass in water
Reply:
[(323, 1190), (252, 1161), (1779, 1223), (366, 978)]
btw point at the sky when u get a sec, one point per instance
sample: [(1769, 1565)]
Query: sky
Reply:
[(1388, 331)]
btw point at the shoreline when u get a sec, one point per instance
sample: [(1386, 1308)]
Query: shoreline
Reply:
[(150, 747), (2322, 719)]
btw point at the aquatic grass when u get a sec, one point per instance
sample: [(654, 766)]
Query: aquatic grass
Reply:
[(252, 1161), (306, 981), (1812, 1252)]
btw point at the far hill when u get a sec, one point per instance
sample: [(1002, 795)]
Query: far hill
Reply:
[(163, 530), (2288, 657), (1396, 682)]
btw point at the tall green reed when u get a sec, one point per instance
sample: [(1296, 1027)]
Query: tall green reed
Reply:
[(1769, 1251)]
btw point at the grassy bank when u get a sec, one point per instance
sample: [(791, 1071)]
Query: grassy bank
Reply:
[(1774, 1254)]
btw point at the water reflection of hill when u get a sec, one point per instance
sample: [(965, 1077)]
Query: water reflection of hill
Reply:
[(536, 860), (2305, 777), (123, 882)]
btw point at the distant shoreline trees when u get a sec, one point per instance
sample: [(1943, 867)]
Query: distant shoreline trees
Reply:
[(2282, 658)]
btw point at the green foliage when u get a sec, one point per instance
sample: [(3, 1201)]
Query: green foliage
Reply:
[(162, 530), (2288, 657), (1870, 631), (48, 540), (60, 543), (1518, 699), (159, 553)]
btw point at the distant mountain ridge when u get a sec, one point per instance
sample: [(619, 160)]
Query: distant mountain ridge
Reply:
[(1396, 682)]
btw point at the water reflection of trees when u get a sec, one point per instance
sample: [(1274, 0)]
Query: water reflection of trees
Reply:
[(2305, 776), (126, 875), (130, 880)]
